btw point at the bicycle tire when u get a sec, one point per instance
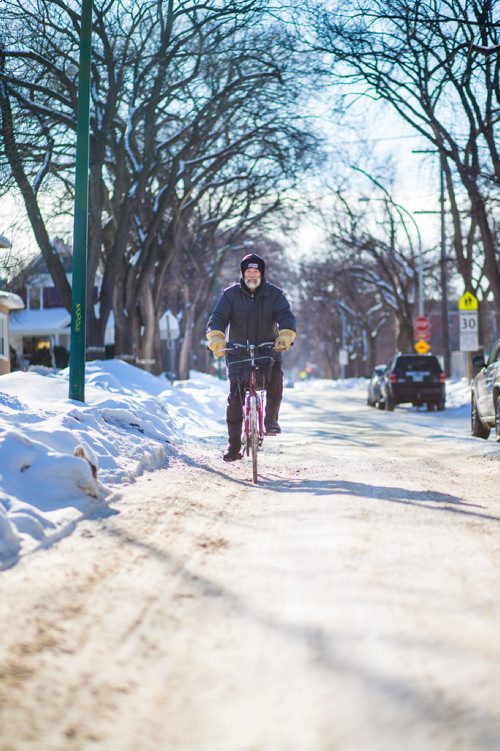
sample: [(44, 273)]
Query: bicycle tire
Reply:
[(254, 435)]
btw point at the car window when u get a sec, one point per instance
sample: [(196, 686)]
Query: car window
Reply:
[(418, 364), (494, 355)]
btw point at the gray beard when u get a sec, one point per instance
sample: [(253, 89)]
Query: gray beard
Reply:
[(252, 284)]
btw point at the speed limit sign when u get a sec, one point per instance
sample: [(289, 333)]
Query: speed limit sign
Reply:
[(469, 341), (467, 308)]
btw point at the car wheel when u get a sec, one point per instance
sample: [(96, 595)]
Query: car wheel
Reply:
[(389, 404), (380, 404), (478, 430), (497, 418)]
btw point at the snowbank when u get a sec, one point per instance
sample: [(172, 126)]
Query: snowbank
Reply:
[(59, 458)]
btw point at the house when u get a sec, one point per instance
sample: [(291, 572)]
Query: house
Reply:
[(8, 302), (41, 333)]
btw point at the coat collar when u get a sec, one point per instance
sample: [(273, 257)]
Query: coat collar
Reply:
[(262, 290)]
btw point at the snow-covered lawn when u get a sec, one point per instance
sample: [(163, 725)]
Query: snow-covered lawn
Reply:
[(61, 460)]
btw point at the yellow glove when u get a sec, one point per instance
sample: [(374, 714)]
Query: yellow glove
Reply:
[(284, 340), (216, 342)]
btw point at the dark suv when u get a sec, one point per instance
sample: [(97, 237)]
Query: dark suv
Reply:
[(418, 379)]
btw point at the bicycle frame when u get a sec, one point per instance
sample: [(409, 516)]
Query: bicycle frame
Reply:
[(259, 395), (253, 405)]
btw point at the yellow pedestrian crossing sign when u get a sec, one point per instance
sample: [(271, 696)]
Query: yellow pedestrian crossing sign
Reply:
[(468, 302), (422, 347)]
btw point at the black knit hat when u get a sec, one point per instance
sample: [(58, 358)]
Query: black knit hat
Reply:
[(252, 261)]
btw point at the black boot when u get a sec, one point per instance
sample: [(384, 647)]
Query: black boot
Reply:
[(272, 427), (274, 395), (231, 455), (234, 420), (233, 452)]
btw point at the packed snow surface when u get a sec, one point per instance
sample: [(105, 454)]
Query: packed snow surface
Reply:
[(62, 460)]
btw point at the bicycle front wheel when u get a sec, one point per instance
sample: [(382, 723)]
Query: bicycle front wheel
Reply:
[(254, 435)]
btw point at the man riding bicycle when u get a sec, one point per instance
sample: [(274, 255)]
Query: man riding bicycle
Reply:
[(255, 311)]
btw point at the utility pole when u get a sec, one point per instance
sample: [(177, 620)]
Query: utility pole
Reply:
[(80, 221), (444, 273), (443, 258)]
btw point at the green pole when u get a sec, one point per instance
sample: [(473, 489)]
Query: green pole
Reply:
[(80, 221)]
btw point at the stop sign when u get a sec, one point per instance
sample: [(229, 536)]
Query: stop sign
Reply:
[(421, 328)]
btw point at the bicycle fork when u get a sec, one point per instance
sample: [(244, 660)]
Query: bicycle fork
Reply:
[(259, 409)]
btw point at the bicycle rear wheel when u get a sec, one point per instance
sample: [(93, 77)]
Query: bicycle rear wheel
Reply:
[(254, 435)]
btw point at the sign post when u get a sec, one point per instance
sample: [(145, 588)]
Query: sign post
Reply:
[(421, 334), (343, 361)]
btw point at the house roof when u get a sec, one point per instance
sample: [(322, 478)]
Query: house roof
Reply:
[(38, 265), (40, 322), (49, 322), (11, 301)]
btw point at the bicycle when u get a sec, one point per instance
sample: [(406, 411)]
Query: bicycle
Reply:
[(254, 377)]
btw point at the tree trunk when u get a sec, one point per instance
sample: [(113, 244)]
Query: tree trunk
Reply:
[(404, 338), (146, 345), (123, 324)]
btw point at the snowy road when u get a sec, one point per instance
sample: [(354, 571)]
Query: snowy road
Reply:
[(349, 603)]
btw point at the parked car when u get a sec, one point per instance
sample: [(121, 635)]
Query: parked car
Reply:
[(374, 397), (418, 379), (485, 394)]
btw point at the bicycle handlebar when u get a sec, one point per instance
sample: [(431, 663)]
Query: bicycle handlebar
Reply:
[(235, 347), (250, 349)]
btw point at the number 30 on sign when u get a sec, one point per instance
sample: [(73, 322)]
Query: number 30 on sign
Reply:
[(467, 307)]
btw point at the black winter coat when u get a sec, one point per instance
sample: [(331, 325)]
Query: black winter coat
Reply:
[(252, 318)]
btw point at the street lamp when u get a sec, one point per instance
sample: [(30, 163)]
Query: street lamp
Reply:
[(420, 250)]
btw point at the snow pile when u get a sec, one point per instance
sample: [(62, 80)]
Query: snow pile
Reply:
[(58, 457), (457, 393), (342, 384)]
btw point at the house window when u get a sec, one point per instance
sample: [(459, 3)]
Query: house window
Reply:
[(3, 336), (34, 298), (51, 298), (36, 349)]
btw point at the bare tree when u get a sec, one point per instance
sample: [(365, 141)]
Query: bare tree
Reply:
[(340, 309), (185, 99), (369, 275), (437, 63)]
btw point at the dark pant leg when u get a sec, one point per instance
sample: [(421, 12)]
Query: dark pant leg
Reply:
[(274, 393), (234, 414)]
